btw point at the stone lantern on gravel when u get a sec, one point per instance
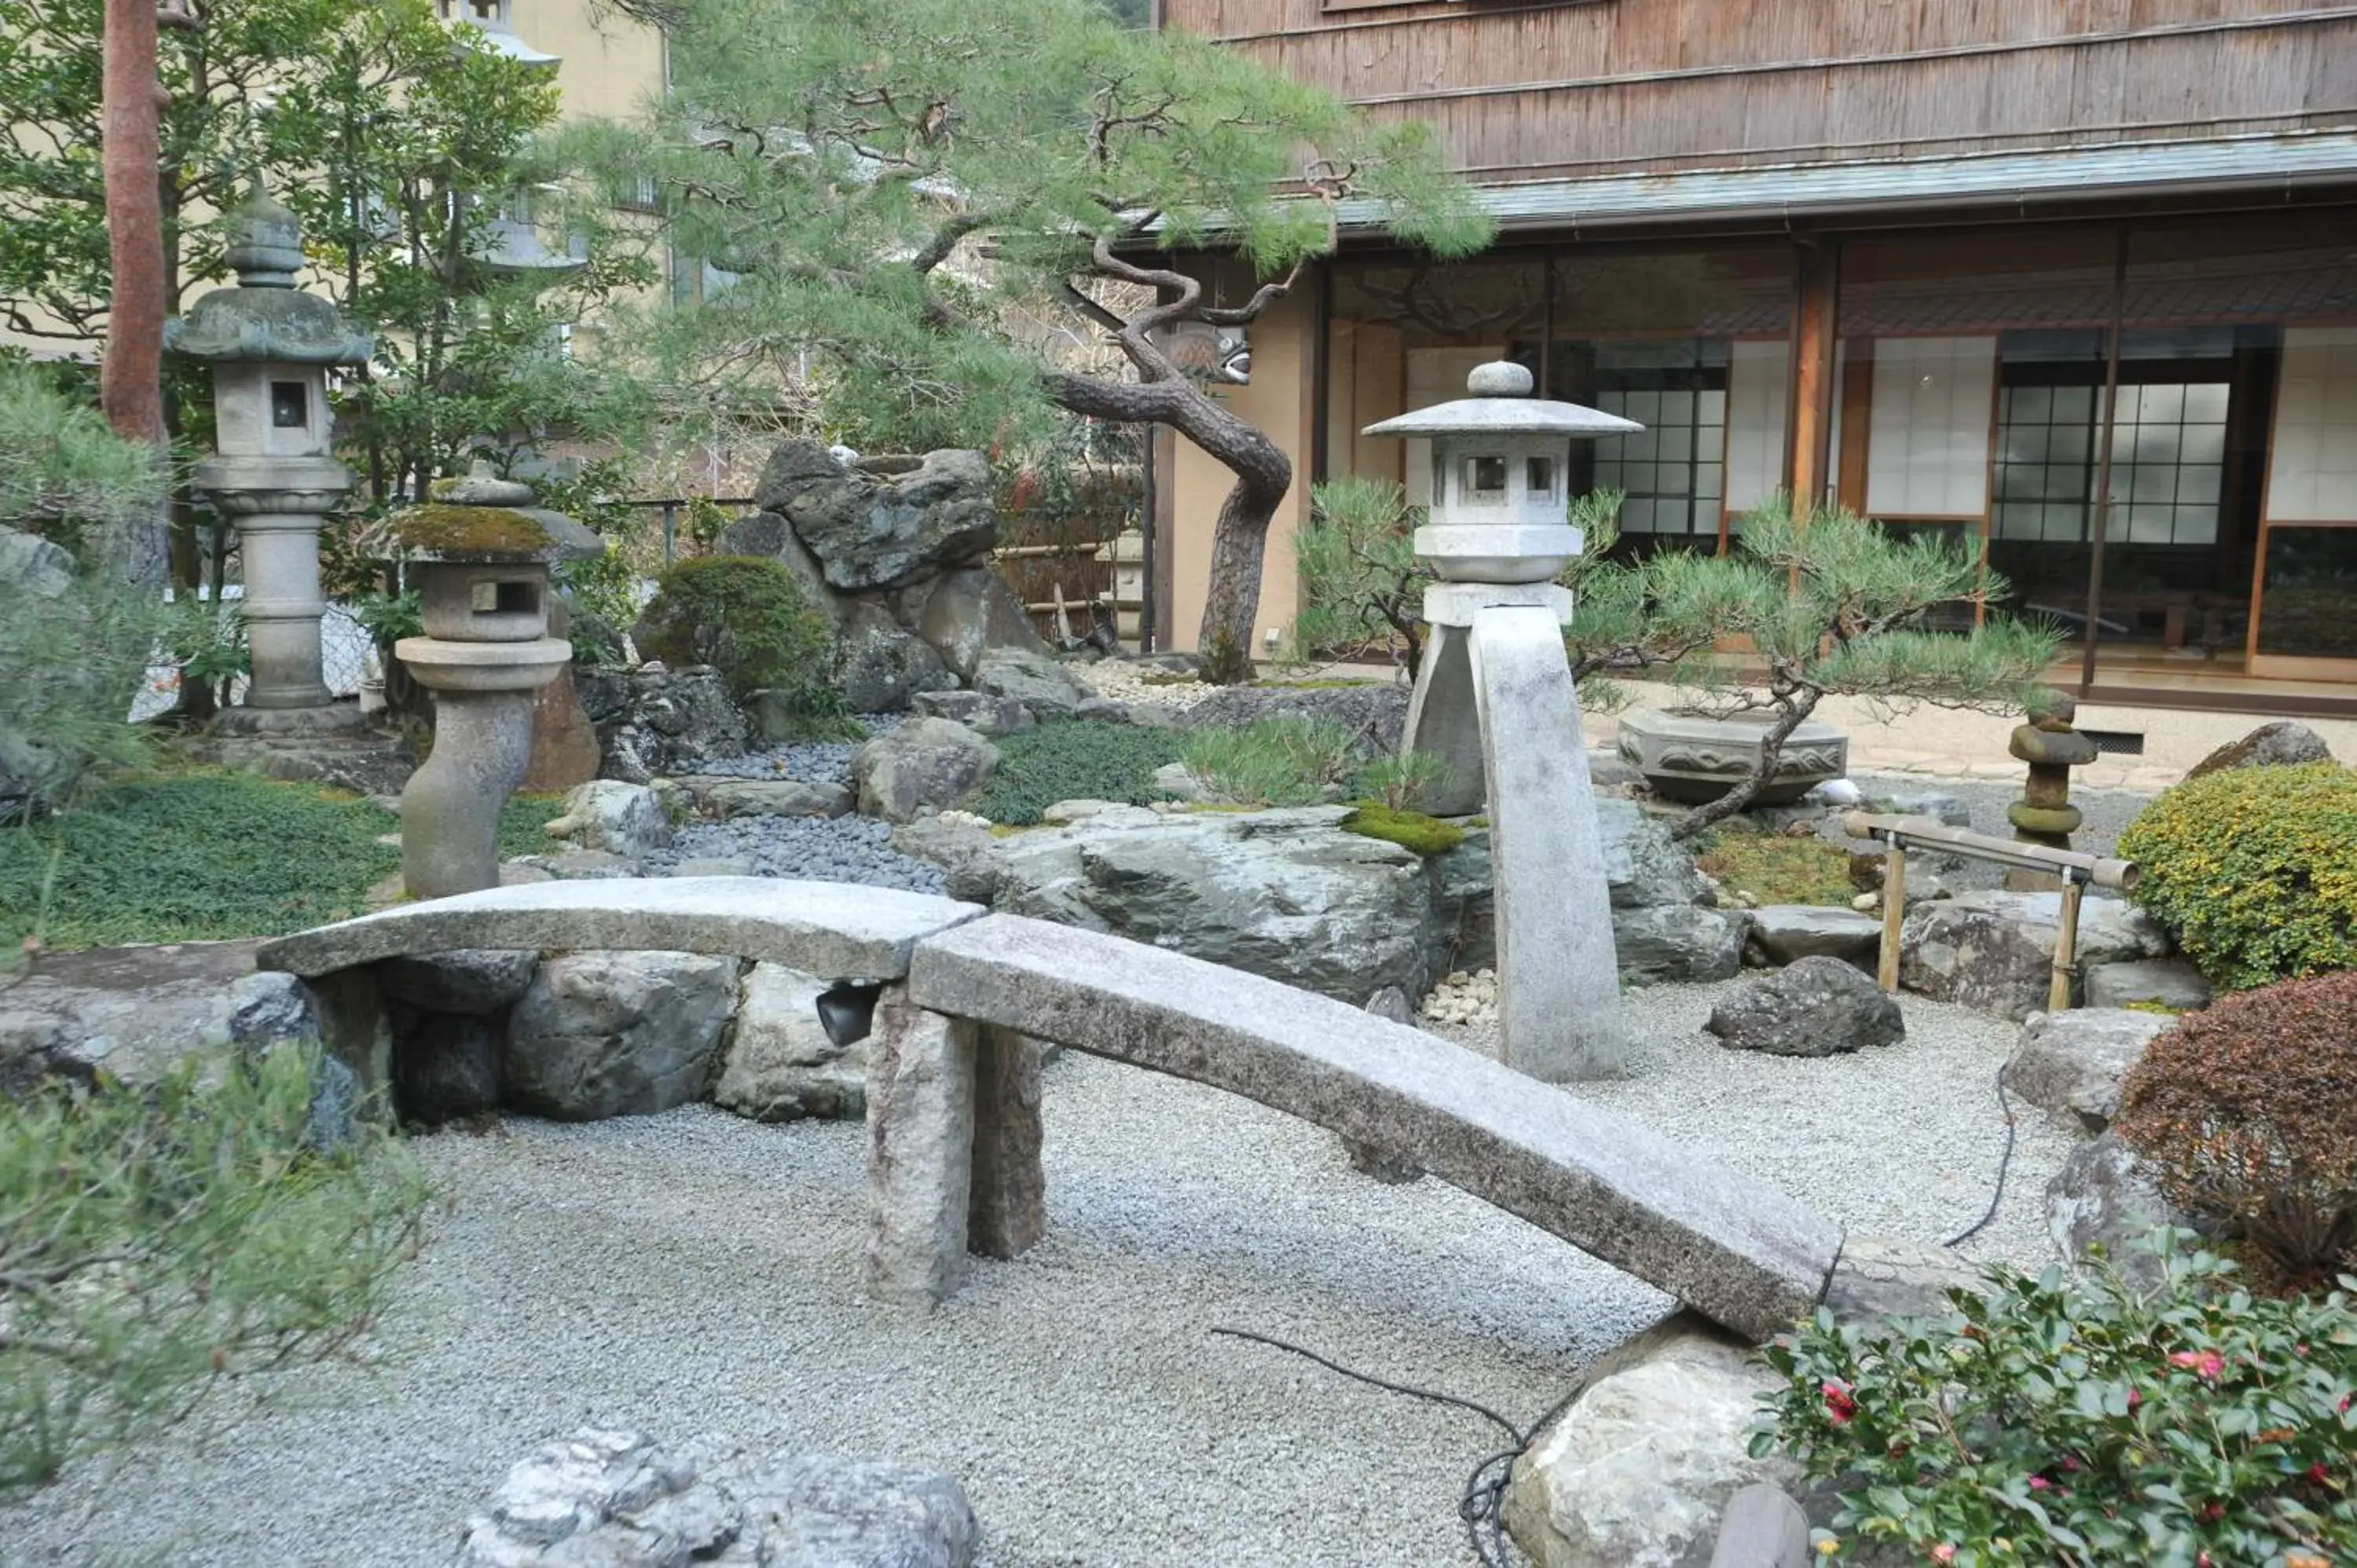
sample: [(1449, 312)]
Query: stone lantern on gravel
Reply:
[(481, 555), (270, 345), (1494, 704)]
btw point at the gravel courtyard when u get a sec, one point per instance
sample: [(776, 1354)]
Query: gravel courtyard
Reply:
[(692, 1272)]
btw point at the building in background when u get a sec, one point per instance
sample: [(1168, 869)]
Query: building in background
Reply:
[(1890, 256)]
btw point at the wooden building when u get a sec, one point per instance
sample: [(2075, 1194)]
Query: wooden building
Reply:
[(1895, 253)]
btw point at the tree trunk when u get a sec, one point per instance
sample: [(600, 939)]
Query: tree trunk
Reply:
[(131, 388), (1240, 539), (1793, 704)]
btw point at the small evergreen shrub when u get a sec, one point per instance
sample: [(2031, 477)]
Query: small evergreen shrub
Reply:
[(1074, 762), (159, 1241), (2197, 1426), (2246, 1113), (2254, 870), (748, 617), (1276, 762), (73, 661)]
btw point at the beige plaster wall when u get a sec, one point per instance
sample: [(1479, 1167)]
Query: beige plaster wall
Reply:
[(610, 68)]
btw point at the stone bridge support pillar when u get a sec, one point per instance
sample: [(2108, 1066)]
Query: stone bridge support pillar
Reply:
[(954, 1139)]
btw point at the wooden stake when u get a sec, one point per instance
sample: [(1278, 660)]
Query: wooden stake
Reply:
[(2066, 946), (1894, 913)]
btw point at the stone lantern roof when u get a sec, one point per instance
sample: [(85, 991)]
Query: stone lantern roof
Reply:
[(482, 519), (265, 317), (1501, 404)]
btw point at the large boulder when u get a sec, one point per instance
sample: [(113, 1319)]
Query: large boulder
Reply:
[(883, 663), (1818, 1007), (1644, 867), (1995, 951), (1375, 711), (1285, 894), (1034, 679), (137, 1014), (2070, 1065), (29, 561), (1636, 1473), (727, 797), (655, 723), (614, 818), (1664, 943), (968, 614), (477, 982), (924, 768), (872, 530), (447, 1067), (2104, 1201), (2172, 983), (769, 536), (979, 712), (618, 1034), (2282, 743), (614, 1499), (782, 1067)]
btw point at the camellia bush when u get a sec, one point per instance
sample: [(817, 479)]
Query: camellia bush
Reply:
[(2254, 870), (2246, 1113), (2194, 1427)]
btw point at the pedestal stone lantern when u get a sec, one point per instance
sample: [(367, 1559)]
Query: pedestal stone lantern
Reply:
[(1494, 704), (481, 556), (270, 346)]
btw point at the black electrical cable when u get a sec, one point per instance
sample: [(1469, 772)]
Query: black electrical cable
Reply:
[(2004, 1164), (1485, 1489)]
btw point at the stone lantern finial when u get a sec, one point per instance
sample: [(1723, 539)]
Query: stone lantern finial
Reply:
[(265, 241)]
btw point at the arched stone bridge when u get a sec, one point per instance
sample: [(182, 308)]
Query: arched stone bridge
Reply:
[(954, 1101)]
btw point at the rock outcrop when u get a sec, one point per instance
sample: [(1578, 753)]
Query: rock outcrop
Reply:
[(1818, 1007), (654, 723)]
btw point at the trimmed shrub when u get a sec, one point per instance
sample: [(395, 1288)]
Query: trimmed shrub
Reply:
[(2255, 871), (748, 617), (1074, 762), (2248, 1115), (2083, 1424)]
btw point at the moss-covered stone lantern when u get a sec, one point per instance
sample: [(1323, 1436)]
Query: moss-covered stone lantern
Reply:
[(270, 346), (480, 555), (1495, 708)]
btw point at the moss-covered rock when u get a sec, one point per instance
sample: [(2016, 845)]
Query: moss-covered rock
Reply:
[(449, 528)]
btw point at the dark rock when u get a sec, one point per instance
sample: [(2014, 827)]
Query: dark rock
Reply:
[(1995, 951), (1789, 932), (1034, 679), (979, 712), (1644, 866), (2172, 983), (871, 530), (2070, 1065), (1670, 942), (446, 1067), (655, 723), (969, 613), (2282, 743), (618, 1034), (1818, 1007), (478, 982), (884, 665), (926, 766), (2104, 1198)]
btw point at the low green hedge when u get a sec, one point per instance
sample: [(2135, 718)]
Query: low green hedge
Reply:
[(1074, 762)]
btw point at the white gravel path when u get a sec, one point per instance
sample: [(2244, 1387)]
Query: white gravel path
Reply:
[(695, 1272)]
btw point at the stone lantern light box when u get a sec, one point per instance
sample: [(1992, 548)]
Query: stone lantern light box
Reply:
[(1495, 710)]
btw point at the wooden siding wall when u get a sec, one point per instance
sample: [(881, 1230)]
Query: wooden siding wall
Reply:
[(1536, 91)]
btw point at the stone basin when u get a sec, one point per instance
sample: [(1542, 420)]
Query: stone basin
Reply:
[(1687, 756)]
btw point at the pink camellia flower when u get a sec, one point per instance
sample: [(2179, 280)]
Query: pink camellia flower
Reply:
[(1839, 1406), (2134, 1399), (1944, 1552), (2207, 1364), (2038, 1483)]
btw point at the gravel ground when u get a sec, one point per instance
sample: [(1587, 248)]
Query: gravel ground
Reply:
[(696, 1273), (813, 762), (843, 849), (1122, 680)]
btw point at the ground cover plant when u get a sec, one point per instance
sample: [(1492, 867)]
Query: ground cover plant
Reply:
[(1074, 761), (2196, 1425), (209, 855), (1776, 869), (156, 1242), (2254, 870), (2246, 1114)]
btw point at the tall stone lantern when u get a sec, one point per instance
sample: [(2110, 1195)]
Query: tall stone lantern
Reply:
[(270, 345), (480, 555), (1494, 704)]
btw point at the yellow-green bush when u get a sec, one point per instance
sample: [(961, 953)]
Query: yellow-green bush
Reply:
[(2255, 871)]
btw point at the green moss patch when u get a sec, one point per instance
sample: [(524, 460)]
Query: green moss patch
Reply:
[(1409, 830), (444, 527), (1774, 869)]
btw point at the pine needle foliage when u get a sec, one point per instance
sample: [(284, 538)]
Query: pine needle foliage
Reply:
[(154, 1244)]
